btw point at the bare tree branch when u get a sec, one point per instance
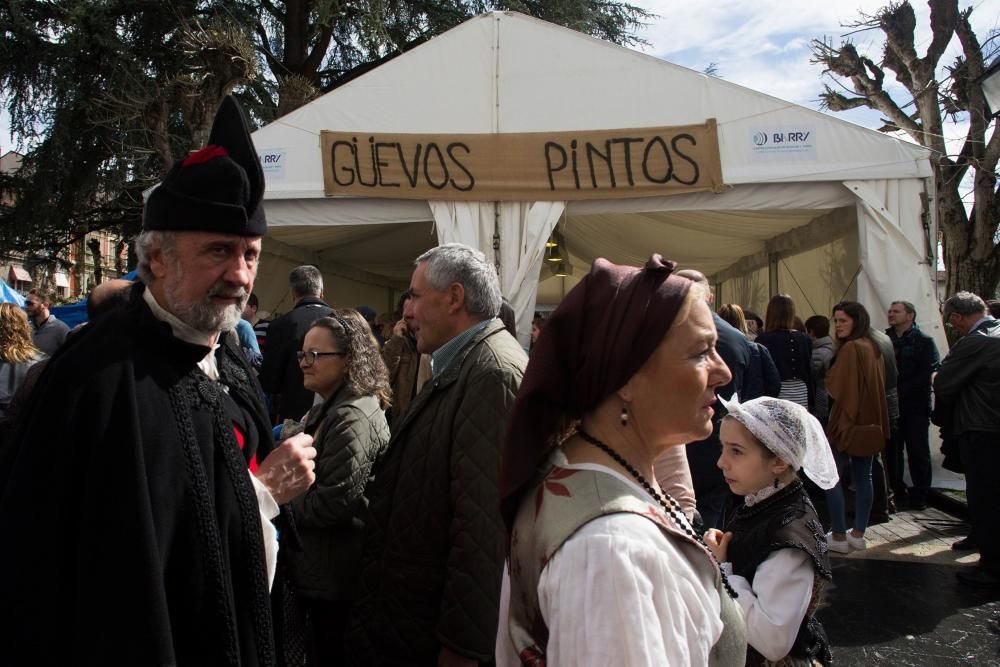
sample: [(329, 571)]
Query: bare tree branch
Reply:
[(271, 9), (264, 46), (846, 62), (944, 15)]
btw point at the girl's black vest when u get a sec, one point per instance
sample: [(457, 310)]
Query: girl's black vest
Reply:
[(786, 520)]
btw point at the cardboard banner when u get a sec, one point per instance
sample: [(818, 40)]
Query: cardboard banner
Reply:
[(536, 166)]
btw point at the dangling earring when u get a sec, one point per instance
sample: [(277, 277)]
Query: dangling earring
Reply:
[(775, 482), (624, 416)]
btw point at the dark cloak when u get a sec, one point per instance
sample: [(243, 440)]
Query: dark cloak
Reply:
[(131, 529)]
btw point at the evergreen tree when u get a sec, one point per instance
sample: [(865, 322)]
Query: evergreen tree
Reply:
[(110, 92)]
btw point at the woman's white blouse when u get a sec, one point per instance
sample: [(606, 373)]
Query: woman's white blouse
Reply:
[(619, 592)]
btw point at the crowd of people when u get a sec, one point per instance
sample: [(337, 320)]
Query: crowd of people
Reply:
[(184, 482)]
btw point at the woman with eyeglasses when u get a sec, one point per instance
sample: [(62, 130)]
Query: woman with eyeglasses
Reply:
[(341, 362)]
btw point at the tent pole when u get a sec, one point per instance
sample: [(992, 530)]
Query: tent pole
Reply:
[(496, 238), (772, 274)]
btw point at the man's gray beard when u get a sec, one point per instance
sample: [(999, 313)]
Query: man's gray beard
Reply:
[(204, 316), (208, 318)]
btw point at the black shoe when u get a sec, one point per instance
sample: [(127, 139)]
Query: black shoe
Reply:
[(918, 504), (979, 576), (965, 544), (876, 518)]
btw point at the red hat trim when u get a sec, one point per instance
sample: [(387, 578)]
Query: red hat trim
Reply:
[(207, 153)]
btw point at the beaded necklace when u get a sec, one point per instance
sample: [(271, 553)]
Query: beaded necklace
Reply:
[(669, 505)]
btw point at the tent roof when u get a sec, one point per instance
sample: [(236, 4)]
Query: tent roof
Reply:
[(506, 72)]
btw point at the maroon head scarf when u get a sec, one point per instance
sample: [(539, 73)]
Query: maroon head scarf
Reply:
[(598, 337)]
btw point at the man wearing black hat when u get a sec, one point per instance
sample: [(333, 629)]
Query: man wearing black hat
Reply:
[(136, 509)]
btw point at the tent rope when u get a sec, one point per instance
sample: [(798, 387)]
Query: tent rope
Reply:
[(853, 278), (795, 280)]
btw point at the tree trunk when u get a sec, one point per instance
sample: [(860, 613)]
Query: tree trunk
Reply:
[(120, 248), (967, 270), (94, 244), (159, 129), (293, 92), (966, 274), (971, 256)]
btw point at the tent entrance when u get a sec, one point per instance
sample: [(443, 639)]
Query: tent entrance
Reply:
[(361, 263), (747, 254)]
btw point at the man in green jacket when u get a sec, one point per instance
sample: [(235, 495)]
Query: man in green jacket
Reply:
[(434, 540)]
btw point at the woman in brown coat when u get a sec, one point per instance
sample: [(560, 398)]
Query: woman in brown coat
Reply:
[(855, 383)]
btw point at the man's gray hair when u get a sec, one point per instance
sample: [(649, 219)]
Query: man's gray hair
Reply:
[(457, 263), (145, 245), (964, 303), (306, 280)]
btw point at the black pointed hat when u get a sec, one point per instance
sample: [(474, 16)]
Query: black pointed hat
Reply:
[(217, 189)]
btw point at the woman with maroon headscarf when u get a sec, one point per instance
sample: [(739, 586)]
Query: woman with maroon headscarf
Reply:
[(604, 566)]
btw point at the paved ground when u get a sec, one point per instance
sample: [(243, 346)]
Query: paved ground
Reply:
[(917, 537), (898, 602)]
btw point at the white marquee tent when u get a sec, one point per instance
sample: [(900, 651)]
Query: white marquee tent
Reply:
[(834, 211)]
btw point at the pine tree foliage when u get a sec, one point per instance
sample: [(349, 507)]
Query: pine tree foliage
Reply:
[(109, 92)]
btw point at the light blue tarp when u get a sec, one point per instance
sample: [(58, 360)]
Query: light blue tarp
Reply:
[(10, 295)]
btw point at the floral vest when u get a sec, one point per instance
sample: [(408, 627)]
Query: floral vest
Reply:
[(562, 503)]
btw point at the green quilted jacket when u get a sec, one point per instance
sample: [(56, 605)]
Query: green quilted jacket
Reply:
[(434, 540)]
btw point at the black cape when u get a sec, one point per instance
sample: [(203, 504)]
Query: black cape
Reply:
[(130, 525)]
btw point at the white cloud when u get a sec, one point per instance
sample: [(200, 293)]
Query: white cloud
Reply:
[(765, 44)]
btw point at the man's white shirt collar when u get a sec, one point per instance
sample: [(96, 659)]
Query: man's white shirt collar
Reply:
[(185, 332)]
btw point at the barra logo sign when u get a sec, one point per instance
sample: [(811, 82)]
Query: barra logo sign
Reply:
[(783, 143), (272, 161)]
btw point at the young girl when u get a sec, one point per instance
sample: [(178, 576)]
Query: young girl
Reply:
[(774, 549)]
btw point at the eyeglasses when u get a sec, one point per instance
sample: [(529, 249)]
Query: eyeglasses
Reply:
[(310, 356)]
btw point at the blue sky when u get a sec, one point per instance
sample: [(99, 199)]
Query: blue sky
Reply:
[(764, 44)]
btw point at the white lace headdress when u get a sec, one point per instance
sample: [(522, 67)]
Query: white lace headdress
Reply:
[(788, 430)]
